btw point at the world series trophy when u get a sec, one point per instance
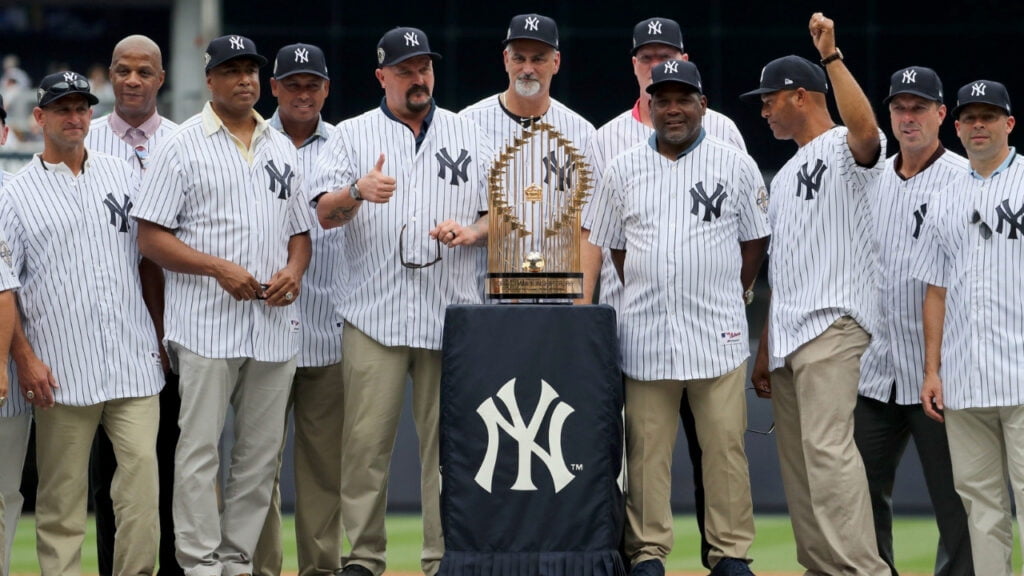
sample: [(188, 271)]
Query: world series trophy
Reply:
[(537, 189)]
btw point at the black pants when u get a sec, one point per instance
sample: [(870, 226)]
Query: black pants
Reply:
[(693, 445), (101, 473), (881, 431)]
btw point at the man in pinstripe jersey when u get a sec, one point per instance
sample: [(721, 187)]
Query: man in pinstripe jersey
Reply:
[(86, 350), (675, 212), (972, 258), (404, 179), (888, 408), (223, 210), (824, 303), (133, 131), (301, 83), (655, 40)]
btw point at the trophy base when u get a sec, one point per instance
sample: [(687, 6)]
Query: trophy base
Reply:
[(524, 285)]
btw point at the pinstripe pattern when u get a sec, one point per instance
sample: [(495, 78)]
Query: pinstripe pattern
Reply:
[(397, 306), (81, 295), (103, 139), (682, 315), (896, 352), (983, 335), (321, 324), (614, 138), (16, 403), (201, 186), (822, 264), (502, 127)]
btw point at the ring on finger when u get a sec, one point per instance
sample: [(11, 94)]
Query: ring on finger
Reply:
[(30, 395)]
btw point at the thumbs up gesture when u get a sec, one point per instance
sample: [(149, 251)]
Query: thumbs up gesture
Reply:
[(375, 185)]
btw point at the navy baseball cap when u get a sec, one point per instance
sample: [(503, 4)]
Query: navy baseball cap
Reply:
[(300, 59), (916, 80), (675, 72), (532, 27), (982, 92), (399, 44), (657, 31), (789, 73), (56, 86), (226, 48)]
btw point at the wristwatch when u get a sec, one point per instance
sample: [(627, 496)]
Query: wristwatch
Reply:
[(353, 191), (837, 55)]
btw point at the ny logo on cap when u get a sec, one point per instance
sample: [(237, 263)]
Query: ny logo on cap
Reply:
[(69, 77), (411, 39), (909, 76), (978, 89), (237, 43), (654, 27), (671, 67), (301, 55), (532, 22)]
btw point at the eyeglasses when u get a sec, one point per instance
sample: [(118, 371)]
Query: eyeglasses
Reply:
[(60, 88), (768, 432), (984, 229), (141, 154), (413, 265)]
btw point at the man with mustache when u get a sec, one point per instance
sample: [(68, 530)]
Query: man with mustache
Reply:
[(223, 211), (133, 131), (972, 258), (403, 178), (531, 59)]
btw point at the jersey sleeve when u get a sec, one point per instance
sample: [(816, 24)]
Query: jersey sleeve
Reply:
[(334, 167), (161, 194), (606, 228), (300, 217), (931, 257), (12, 251), (753, 201), (860, 177)]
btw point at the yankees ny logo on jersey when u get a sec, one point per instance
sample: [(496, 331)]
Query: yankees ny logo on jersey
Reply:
[(458, 167), (810, 182), (280, 179), (118, 211), (532, 22), (526, 435), (237, 43), (562, 174), (301, 55), (1014, 220), (712, 204), (919, 215)]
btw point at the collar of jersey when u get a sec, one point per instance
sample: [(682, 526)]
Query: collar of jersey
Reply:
[(1006, 164), (426, 120), (212, 123), (653, 143), (61, 167), (320, 132), (120, 126)]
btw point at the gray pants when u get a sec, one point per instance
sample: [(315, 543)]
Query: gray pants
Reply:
[(882, 430)]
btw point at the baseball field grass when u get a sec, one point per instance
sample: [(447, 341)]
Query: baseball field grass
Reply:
[(773, 551)]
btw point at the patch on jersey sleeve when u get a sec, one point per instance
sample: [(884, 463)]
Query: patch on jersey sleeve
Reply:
[(762, 199)]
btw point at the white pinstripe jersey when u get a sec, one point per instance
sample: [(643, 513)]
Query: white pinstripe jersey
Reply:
[(74, 250), (983, 334), (502, 126), (200, 186), (680, 222), (102, 138), (899, 205), (822, 264), (16, 403), (446, 177), (321, 324), (614, 138)]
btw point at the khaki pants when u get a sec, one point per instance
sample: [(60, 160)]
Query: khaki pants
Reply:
[(317, 404), (987, 447), (210, 542), (64, 436), (813, 398), (14, 431), (374, 377), (652, 421)]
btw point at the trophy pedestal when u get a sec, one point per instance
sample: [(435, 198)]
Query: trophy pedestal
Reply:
[(531, 441)]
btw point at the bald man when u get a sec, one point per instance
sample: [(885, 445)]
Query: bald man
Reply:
[(132, 132)]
